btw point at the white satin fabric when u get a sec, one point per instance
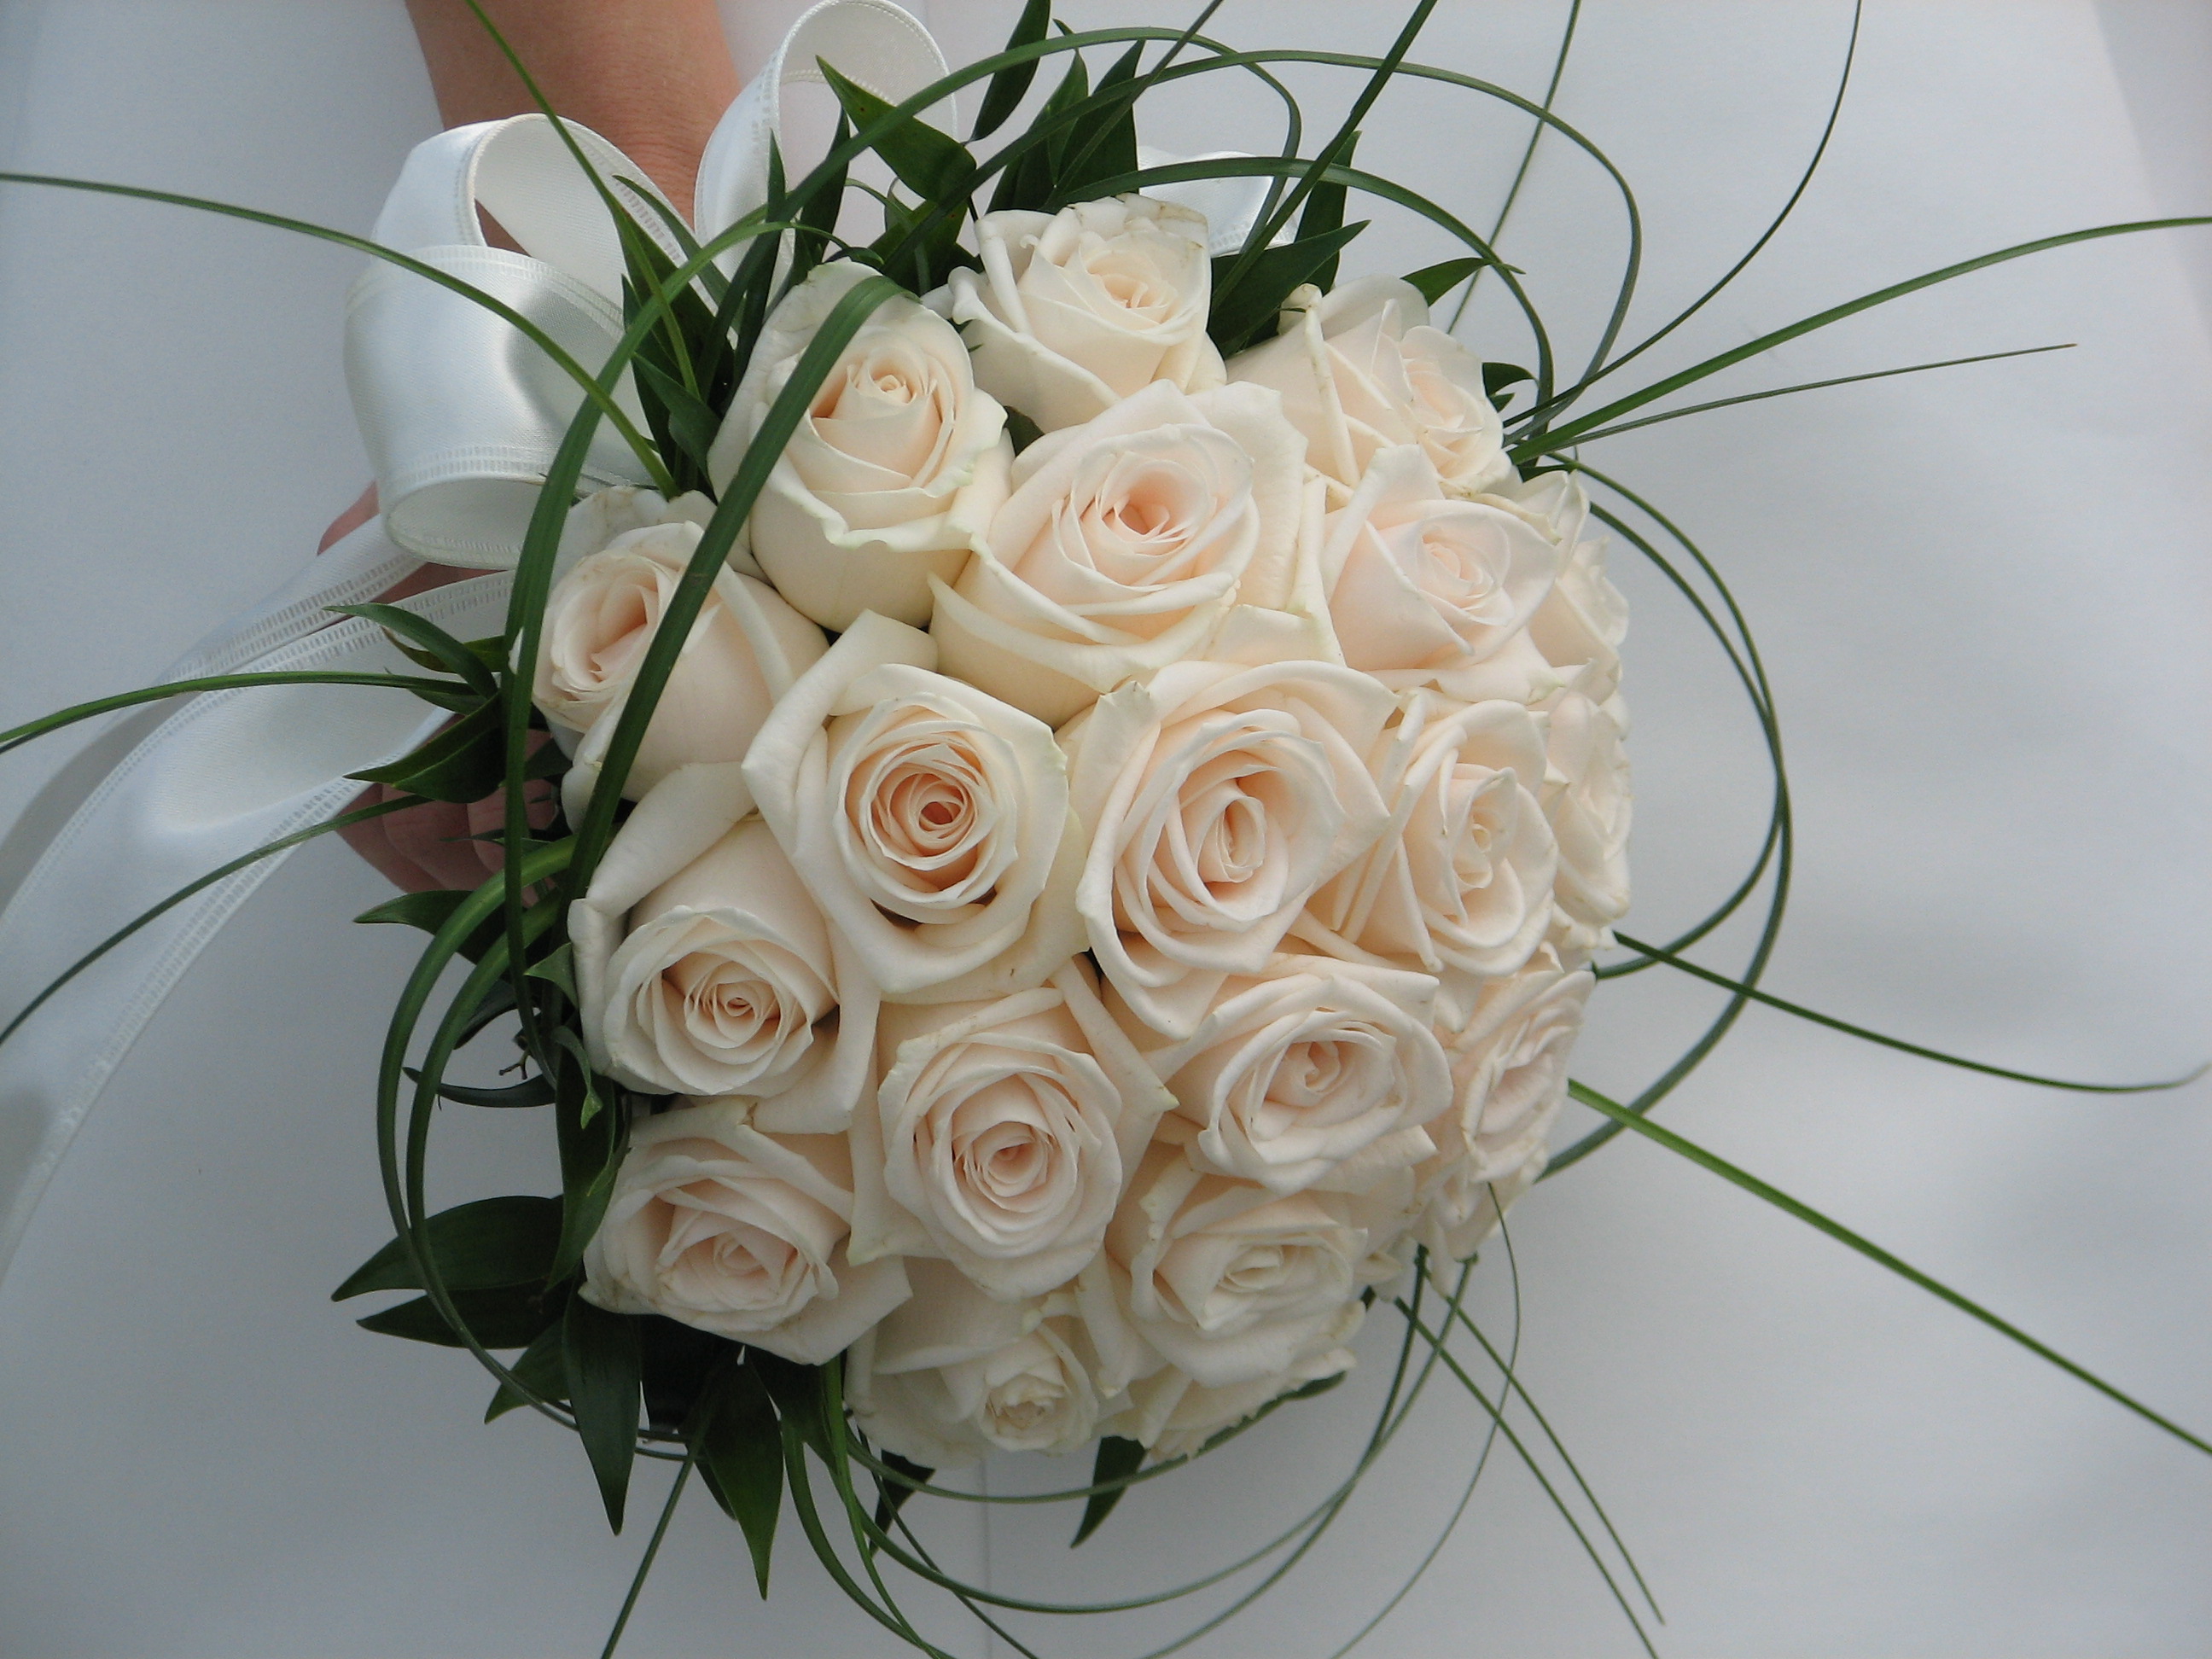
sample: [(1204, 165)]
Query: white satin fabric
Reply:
[(1985, 595)]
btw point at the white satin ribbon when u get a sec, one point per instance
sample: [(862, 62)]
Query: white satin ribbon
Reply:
[(461, 415)]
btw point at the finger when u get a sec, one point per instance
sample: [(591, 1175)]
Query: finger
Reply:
[(351, 519), (488, 817), (369, 841), (436, 837)]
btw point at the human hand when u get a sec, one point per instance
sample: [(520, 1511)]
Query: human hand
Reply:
[(429, 847)]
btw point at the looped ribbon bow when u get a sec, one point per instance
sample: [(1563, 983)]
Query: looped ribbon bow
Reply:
[(461, 413)]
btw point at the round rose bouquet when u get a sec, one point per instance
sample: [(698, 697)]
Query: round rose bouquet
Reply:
[(1091, 795)]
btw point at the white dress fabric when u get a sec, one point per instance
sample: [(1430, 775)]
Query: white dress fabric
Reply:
[(1983, 597)]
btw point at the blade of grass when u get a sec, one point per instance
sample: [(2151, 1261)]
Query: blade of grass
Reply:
[(1812, 1217), (1819, 386)]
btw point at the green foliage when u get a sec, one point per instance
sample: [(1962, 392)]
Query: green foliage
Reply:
[(591, 1142), (1003, 92), (464, 761), (485, 1245), (891, 1496), (599, 1350), (934, 164), (741, 1456), (1439, 279), (1029, 183), (508, 1317), (1104, 144), (475, 662), (1246, 314), (541, 1369), (1116, 1458)]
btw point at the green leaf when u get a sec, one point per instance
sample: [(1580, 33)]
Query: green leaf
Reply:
[(1117, 1458), (891, 1495), (1437, 280), (1003, 93), (541, 1367), (1022, 430), (464, 763), (819, 212), (1496, 377), (558, 967), (591, 1142), (934, 164), (1324, 213), (531, 1091), (498, 999), (1244, 315), (427, 911), (424, 642), (430, 912), (1106, 145), (599, 1350), (1027, 183), (492, 1242), (741, 1455), (510, 1317), (797, 1391)]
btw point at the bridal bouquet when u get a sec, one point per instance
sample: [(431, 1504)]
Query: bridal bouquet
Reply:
[(1064, 788)]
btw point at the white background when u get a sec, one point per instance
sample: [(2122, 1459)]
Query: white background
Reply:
[(1983, 595)]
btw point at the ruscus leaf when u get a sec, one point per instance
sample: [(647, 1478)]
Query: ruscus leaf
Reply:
[(600, 1350), (741, 1454), (1117, 1458), (491, 1242)]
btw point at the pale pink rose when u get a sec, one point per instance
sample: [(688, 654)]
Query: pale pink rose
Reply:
[(1223, 1279), (899, 462), (704, 966), (715, 1224), (1000, 1134), (1360, 370), (928, 819), (1215, 800), (1588, 801), (1172, 1416), (1460, 884), (1124, 544), (1420, 585), (1509, 1080), (951, 1375), (1072, 311), (744, 651), (1319, 1073)]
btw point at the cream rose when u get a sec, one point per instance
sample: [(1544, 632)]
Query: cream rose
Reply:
[(951, 1375), (1124, 544), (1000, 1134), (1588, 801), (1172, 1416), (704, 966), (928, 819), (715, 1224), (1321, 1072), (744, 651), (1460, 884), (1360, 368), (1510, 1079), (898, 466), (1074, 311), (1419, 584), (1216, 800), (1222, 1278)]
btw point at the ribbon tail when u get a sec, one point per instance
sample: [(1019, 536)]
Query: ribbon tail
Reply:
[(161, 797)]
